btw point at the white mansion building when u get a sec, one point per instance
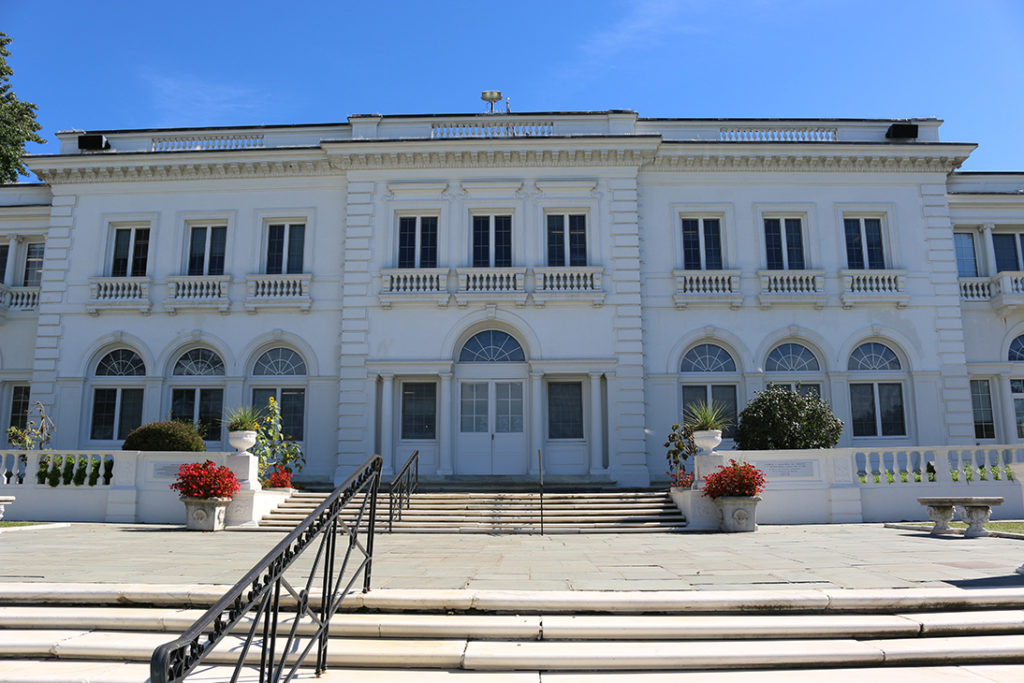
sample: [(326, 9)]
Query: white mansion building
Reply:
[(481, 287)]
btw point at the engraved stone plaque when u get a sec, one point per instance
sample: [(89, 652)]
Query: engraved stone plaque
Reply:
[(166, 470), (788, 469)]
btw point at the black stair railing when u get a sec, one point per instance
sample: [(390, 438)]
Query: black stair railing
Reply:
[(259, 592), (402, 487)]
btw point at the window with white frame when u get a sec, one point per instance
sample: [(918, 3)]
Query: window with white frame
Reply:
[(784, 243), (5, 250), (492, 241), (567, 239), (876, 404), (864, 243), (131, 251), (966, 259), (206, 249), (702, 243), (117, 395), (33, 274), (278, 374), (709, 376), (1009, 251), (19, 406), (419, 410), (1016, 355), (199, 403), (565, 409), (417, 242), (794, 366), (981, 405), (286, 245)]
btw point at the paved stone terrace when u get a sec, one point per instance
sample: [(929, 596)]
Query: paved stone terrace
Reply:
[(801, 557)]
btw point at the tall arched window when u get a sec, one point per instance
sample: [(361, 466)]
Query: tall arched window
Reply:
[(981, 389), (876, 391), (117, 395), (492, 346), (199, 399), (794, 365), (280, 373), (708, 374)]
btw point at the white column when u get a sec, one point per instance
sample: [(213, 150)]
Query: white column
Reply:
[(444, 426), (596, 426), (989, 248), (536, 419), (12, 253), (387, 408), (1009, 414)]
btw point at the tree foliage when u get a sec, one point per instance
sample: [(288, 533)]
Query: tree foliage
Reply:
[(782, 418), (18, 123)]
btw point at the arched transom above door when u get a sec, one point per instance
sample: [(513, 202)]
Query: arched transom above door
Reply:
[(492, 346)]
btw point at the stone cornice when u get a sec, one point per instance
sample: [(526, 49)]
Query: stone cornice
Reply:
[(647, 152)]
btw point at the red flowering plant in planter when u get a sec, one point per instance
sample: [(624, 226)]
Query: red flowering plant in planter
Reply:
[(734, 480), (279, 478), (205, 480)]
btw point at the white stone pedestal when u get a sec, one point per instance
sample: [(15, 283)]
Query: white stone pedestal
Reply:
[(700, 511)]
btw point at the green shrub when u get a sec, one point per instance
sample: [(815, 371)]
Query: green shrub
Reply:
[(164, 436), (69, 470), (81, 471), (94, 472), (44, 465), (53, 475), (782, 418)]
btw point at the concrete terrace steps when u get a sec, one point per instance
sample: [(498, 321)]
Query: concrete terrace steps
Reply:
[(114, 629), (507, 512)]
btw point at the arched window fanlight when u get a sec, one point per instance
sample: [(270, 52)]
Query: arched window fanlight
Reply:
[(707, 358), (492, 346), (199, 362), (279, 361), (873, 356), (121, 363), (1017, 349), (791, 358)]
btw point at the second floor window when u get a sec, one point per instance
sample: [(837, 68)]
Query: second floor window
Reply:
[(966, 261), (417, 242), (864, 243), (4, 250), (783, 238), (131, 250), (286, 243), (702, 244), (492, 241), (33, 264), (206, 250), (567, 240), (1009, 248)]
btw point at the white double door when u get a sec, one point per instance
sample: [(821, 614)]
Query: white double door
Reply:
[(491, 435)]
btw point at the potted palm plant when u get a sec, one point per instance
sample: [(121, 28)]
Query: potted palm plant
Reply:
[(243, 423), (734, 488), (706, 420)]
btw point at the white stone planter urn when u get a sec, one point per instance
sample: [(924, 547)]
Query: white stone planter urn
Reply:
[(739, 513), (242, 441), (205, 514), (707, 440)]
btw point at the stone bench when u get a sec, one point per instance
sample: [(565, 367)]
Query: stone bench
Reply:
[(4, 501), (977, 510)]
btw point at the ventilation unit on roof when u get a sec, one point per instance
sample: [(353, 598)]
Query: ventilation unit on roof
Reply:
[(901, 131)]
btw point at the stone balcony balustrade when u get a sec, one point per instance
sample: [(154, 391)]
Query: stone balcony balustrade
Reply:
[(198, 291), (414, 284), (490, 285), (873, 287), (278, 291), (792, 287), (707, 287), (18, 299), (118, 293)]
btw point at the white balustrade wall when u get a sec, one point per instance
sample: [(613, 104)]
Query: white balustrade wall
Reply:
[(115, 486)]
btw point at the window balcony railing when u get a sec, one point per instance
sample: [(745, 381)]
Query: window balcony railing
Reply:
[(975, 288), (18, 299), (490, 284), (198, 291), (278, 291), (114, 293), (792, 287), (570, 283), (1007, 290), (414, 284), (707, 287), (873, 287)]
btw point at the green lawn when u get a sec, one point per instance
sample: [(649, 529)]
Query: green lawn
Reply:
[(1009, 527), (3, 523)]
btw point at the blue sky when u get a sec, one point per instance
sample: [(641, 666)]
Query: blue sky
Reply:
[(112, 64)]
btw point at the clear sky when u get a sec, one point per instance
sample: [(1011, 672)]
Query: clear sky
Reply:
[(113, 64)]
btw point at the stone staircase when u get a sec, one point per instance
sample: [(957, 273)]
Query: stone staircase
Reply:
[(508, 513), (96, 632)]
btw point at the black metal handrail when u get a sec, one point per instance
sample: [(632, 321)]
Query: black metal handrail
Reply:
[(260, 591), (402, 487)]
